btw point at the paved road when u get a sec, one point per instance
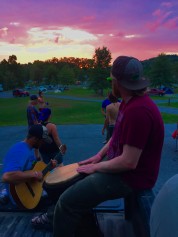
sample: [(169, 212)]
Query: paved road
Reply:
[(85, 140)]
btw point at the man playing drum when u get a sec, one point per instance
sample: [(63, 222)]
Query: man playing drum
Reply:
[(133, 153)]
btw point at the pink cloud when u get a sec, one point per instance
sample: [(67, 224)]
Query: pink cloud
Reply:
[(172, 23), (3, 32), (167, 4), (108, 21)]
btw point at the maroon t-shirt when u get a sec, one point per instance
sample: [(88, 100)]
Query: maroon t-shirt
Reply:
[(139, 124)]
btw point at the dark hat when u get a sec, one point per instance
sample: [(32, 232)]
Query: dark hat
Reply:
[(44, 114), (40, 132), (33, 97), (129, 72)]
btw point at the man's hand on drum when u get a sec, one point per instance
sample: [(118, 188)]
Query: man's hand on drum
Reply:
[(92, 160), (87, 169)]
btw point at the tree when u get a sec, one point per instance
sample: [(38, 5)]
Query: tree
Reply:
[(175, 72), (66, 76), (37, 72), (102, 59), (161, 73), (12, 59), (51, 74)]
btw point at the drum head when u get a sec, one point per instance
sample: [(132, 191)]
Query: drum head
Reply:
[(62, 174)]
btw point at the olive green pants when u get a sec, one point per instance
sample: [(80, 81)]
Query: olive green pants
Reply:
[(82, 197)]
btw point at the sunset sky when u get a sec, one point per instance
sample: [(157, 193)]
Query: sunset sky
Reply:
[(43, 29)]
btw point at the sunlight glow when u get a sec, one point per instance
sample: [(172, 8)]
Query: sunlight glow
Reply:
[(65, 35)]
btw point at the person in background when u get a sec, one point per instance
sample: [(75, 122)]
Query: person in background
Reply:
[(32, 112), (20, 158), (111, 115), (105, 103), (41, 102), (55, 148), (164, 212), (129, 161)]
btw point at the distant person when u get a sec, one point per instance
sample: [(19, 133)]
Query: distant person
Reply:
[(105, 103), (32, 112), (56, 148), (20, 158), (111, 115), (164, 212), (41, 102)]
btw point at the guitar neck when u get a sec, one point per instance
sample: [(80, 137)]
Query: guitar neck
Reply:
[(48, 168)]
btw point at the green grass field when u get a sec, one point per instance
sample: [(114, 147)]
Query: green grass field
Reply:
[(13, 110)]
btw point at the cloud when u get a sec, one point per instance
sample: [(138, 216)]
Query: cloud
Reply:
[(46, 28), (14, 23), (167, 4), (3, 32)]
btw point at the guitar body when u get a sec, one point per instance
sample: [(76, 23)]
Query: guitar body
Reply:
[(28, 194)]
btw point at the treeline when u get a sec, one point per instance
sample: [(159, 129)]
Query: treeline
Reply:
[(162, 70)]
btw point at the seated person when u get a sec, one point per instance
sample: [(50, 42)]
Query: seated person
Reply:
[(20, 158)]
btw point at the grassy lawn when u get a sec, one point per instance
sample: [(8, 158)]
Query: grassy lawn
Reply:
[(13, 110), (169, 118), (172, 104)]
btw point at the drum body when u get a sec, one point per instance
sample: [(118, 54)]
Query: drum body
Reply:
[(60, 179)]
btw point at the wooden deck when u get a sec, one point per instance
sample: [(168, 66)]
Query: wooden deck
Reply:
[(17, 224)]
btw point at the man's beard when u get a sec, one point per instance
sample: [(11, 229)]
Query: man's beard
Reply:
[(116, 93)]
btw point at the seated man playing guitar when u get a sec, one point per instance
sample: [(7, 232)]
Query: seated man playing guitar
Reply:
[(20, 178)]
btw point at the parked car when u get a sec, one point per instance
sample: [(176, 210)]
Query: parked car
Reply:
[(63, 88), (20, 93), (1, 88), (43, 89), (50, 87), (155, 91), (28, 88), (168, 90)]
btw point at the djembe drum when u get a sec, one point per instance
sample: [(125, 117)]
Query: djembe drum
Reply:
[(60, 179)]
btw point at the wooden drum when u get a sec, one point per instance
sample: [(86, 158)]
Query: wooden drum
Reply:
[(60, 179)]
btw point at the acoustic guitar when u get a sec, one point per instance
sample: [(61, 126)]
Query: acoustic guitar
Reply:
[(28, 194)]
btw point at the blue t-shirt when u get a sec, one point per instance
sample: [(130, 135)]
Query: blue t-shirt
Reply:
[(105, 103), (20, 157)]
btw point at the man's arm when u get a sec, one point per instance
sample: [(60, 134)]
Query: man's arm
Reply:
[(127, 161), (16, 177), (33, 116), (103, 111), (57, 140), (106, 123)]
